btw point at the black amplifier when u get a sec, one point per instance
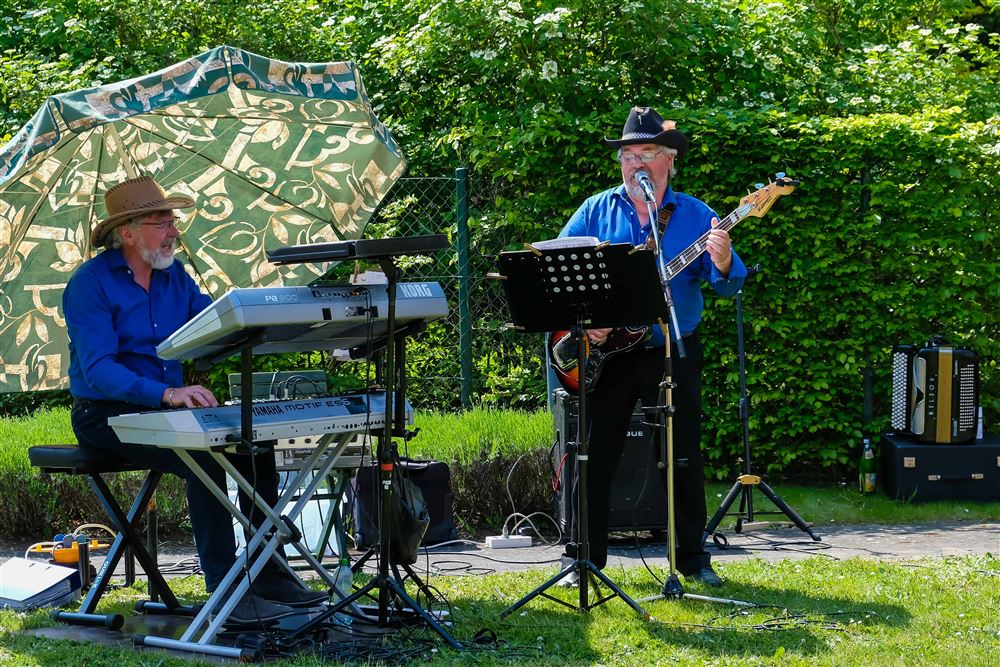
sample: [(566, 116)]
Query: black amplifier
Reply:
[(935, 392), (916, 471), (638, 496)]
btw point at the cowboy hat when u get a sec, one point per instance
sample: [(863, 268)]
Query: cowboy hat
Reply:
[(645, 126), (132, 198)]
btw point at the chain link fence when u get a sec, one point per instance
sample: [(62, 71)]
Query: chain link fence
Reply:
[(470, 357)]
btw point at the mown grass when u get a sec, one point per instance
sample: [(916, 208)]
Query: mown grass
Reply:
[(814, 611), (482, 447), (465, 437)]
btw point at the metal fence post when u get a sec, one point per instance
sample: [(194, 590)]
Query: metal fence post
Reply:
[(464, 318)]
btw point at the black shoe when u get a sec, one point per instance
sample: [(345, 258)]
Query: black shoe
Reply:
[(705, 575), (278, 586), (255, 610)]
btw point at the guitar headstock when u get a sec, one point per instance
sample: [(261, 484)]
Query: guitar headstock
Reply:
[(761, 200)]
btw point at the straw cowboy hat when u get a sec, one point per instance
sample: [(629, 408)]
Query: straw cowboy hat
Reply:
[(645, 126), (130, 199)]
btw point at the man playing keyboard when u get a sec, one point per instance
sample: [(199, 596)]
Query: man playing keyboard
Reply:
[(118, 306)]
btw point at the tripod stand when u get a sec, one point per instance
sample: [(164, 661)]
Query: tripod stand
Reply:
[(553, 287), (384, 582), (746, 482)]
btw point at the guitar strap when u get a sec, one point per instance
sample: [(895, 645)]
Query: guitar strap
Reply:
[(662, 218)]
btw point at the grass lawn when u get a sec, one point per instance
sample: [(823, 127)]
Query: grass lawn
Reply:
[(815, 611)]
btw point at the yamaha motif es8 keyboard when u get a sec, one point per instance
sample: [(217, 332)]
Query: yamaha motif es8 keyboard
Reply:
[(203, 428), (301, 319)]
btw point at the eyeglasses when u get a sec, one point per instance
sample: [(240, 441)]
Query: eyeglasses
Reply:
[(629, 159), (162, 224)]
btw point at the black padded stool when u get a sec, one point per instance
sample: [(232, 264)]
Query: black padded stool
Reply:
[(73, 460)]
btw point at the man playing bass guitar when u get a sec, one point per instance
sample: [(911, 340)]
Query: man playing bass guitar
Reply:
[(648, 147)]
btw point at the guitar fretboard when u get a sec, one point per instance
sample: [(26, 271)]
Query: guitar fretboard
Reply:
[(693, 251)]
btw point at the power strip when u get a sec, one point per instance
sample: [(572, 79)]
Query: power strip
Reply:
[(510, 542)]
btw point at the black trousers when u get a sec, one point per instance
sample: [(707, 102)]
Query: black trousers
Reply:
[(633, 376), (211, 523)]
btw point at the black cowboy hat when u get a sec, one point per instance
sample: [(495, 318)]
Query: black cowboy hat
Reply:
[(645, 126)]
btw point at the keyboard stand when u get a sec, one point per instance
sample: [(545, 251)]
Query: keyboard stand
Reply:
[(201, 634)]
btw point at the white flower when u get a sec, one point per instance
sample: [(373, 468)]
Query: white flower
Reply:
[(857, 100), (905, 45), (951, 31), (926, 32), (853, 68), (831, 99), (550, 70), (767, 96), (505, 16), (738, 53), (973, 27), (554, 16), (874, 99), (514, 6)]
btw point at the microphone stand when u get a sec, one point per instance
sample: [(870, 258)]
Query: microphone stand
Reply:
[(664, 411)]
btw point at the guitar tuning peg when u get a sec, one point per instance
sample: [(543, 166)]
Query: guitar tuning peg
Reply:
[(758, 185), (780, 175)]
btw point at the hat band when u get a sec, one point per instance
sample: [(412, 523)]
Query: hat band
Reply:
[(638, 135)]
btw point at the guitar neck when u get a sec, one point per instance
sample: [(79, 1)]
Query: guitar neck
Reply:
[(694, 251)]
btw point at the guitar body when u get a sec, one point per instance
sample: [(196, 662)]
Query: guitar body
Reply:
[(563, 349)]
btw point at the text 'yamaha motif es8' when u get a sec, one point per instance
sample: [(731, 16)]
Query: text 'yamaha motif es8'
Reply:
[(935, 392)]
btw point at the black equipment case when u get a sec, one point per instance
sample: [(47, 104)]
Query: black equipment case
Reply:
[(638, 498), (433, 478), (916, 471)]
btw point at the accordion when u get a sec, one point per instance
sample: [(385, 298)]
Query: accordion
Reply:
[(935, 392)]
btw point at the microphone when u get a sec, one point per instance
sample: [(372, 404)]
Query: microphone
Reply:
[(642, 178)]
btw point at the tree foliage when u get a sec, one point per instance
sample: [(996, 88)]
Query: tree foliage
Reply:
[(886, 109)]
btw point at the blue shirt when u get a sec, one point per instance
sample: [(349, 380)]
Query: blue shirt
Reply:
[(610, 216), (114, 326)]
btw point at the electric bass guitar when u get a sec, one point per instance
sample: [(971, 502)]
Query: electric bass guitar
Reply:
[(563, 346)]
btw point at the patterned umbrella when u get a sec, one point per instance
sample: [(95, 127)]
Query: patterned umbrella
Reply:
[(273, 153)]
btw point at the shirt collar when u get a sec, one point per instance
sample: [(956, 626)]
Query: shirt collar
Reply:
[(116, 261), (669, 198)]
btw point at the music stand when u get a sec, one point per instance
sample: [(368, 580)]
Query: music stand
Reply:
[(551, 288)]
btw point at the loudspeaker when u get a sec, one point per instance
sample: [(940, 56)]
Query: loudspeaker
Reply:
[(638, 496)]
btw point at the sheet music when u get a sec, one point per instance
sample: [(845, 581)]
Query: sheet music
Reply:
[(567, 242)]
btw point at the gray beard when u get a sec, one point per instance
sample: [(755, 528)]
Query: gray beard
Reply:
[(155, 259), (634, 191)]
